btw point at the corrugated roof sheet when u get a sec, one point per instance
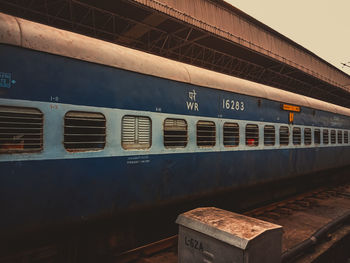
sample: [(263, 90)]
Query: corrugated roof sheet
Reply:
[(222, 19)]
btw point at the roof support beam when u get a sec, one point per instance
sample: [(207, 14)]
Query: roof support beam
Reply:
[(140, 29)]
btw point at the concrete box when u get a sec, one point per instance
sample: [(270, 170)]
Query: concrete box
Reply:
[(210, 234)]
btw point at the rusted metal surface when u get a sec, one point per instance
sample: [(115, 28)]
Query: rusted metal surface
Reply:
[(233, 24), (147, 250), (334, 250), (20, 32)]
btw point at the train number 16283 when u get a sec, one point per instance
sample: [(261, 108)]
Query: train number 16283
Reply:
[(233, 105)]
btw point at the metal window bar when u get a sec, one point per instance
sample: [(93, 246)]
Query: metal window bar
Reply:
[(340, 137), (269, 135), (206, 134), (284, 135), (307, 136), (346, 137), (231, 134), (317, 136), (136, 133), (175, 133), (21, 130), (333, 137), (252, 135), (84, 131), (325, 136), (296, 136)]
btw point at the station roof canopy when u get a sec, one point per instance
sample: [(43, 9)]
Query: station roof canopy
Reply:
[(207, 33)]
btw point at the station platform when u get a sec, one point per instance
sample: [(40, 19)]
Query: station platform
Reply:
[(301, 217)]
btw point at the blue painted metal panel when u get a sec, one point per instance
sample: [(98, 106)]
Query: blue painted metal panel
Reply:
[(45, 77), (56, 191)]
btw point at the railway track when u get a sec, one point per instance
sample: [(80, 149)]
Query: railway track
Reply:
[(329, 200), (276, 212)]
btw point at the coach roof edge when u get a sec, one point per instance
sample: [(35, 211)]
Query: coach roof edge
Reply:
[(20, 32)]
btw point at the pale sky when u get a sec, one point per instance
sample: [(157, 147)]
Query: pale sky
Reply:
[(321, 26)]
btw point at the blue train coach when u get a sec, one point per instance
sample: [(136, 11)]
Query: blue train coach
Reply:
[(91, 129)]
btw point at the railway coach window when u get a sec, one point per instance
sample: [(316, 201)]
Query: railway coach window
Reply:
[(21, 130), (231, 134), (269, 135), (317, 136), (84, 131), (333, 139), (296, 136), (136, 132), (340, 136), (307, 136), (175, 133), (346, 137), (284, 135), (206, 134), (325, 137), (252, 135)]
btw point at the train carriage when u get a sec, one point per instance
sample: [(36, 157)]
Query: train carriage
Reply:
[(91, 129)]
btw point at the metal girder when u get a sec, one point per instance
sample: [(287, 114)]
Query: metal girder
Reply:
[(140, 29)]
